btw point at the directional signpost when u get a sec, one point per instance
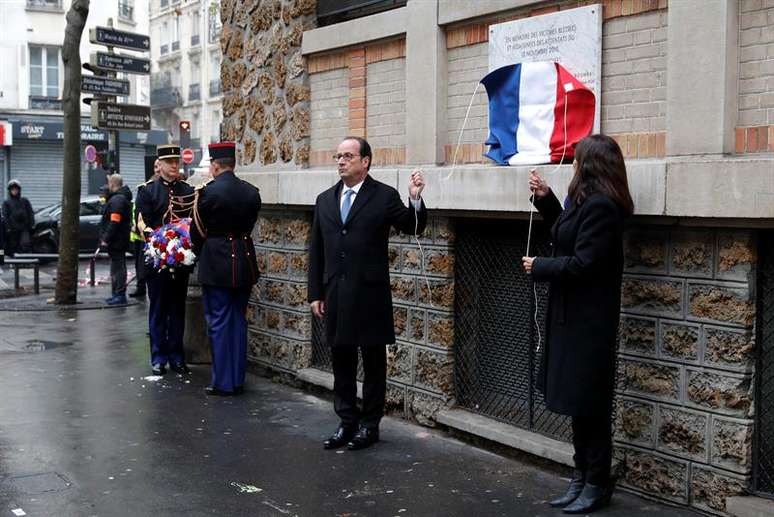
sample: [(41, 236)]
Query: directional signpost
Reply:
[(120, 63), (104, 85), (105, 112), (109, 115), (115, 38)]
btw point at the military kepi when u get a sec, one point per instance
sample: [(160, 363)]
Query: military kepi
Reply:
[(168, 151), (222, 150)]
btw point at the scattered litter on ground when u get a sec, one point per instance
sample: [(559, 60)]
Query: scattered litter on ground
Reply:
[(422, 435), (18, 512), (246, 489), (153, 378), (274, 505)]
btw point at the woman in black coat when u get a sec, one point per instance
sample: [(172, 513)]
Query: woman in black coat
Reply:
[(584, 273)]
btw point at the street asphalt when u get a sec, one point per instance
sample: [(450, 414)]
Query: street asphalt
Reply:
[(85, 431)]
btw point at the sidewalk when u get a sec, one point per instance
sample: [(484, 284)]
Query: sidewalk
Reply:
[(85, 432)]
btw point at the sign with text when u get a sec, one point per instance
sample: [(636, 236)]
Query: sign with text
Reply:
[(572, 38), (120, 63), (115, 38), (104, 85), (108, 115)]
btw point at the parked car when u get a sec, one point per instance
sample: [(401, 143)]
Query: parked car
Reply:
[(45, 238)]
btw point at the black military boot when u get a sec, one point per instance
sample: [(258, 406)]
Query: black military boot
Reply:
[(577, 483), (592, 498)]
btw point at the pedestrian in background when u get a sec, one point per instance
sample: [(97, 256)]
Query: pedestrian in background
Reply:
[(18, 220), (349, 284), (227, 209), (577, 373), (116, 223)]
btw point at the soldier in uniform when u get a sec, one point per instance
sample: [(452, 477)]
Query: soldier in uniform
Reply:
[(160, 200), (225, 213), (136, 236)]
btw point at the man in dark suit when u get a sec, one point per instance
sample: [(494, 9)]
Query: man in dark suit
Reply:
[(349, 284), (159, 201), (225, 213)]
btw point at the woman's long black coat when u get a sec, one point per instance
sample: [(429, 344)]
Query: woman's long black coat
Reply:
[(577, 371)]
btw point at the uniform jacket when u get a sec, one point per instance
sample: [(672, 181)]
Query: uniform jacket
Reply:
[(578, 365), (228, 209), (117, 220), (17, 214), (349, 263), (155, 196)]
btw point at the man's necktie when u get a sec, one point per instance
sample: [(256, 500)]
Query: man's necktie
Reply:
[(347, 204)]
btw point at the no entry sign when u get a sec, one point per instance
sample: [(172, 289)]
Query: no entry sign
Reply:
[(188, 156), (91, 153)]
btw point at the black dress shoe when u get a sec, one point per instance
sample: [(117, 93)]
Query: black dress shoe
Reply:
[(339, 438), (364, 437), (573, 491), (158, 369), (592, 498), (180, 368), (212, 390), (137, 294)]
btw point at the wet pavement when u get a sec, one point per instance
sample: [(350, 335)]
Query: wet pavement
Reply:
[(84, 431)]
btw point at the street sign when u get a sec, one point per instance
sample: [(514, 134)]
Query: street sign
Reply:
[(115, 38), (90, 153), (188, 156), (120, 63), (108, 115), (104, 85)]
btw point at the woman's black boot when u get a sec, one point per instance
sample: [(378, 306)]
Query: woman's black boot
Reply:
[(593, 497), (573, 491)]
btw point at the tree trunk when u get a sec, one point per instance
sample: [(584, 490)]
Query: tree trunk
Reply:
[(67, 270)]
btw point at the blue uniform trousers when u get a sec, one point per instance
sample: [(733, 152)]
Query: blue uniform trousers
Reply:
[(166, 318), (224, 309)]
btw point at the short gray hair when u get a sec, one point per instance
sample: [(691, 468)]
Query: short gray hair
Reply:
[(115, 179)]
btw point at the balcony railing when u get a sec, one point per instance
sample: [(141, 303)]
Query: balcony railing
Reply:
[(194, 92), (45, 103), (45, 5), (195, 40), (165, 97), (126, 10), (215, 87), (175, 46)]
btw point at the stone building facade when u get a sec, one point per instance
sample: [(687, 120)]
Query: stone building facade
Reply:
[(700, 170)]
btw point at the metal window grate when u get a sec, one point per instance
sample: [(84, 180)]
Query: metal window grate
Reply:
[(496, 364), (764, 397)]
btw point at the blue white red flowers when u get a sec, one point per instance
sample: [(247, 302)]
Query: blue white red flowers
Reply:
[(170, 247)]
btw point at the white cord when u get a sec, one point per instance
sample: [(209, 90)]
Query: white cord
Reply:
[(462, 129), (529, 231)]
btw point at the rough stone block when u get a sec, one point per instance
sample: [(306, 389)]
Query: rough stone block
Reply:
[(635, 422), (732, 444), (656, 380), (297, 232), (683, 433), (393, 254), (299, 265), (272, 291), (277, 263), (728, 348), (297, 325), (395, 399), (737, 255), (261, 258), (724, 393), (403, 289), (250, 314), (296, 295), (652, 296), (443, 231), (302, 355), (710, 489), (637, 335), (692, 253), (271, 349), (441, 293), (423, 407), (417, 318), (272, 318), (655, 474), (269, 231), (433, 371), (645, 250), (680, 341), (399, 363), (724, 303), (400, 318), (440, 329)]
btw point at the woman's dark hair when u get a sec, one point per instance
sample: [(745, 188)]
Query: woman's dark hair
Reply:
[(600, 169), (365, 149)]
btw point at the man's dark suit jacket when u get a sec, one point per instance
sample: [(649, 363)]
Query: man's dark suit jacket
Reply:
[(349, 263)]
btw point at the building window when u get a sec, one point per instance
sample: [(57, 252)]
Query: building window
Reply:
[(126, 10), (44, 71), (163, 4), (195, 127), (45, 5), (214, 23), (215, 128), (176, 34)]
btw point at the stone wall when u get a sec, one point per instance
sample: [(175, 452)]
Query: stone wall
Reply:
[(755, 127), (266, 90), (686, 357), (633, 77)]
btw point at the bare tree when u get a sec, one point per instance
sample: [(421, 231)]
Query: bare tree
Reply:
[(67, 271)]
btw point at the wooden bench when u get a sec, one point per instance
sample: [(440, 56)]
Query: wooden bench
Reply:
[(25, 263)]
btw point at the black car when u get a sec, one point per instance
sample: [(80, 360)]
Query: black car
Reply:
[(45, 238)]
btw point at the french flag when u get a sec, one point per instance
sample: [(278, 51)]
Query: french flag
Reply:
[(537, 113)]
